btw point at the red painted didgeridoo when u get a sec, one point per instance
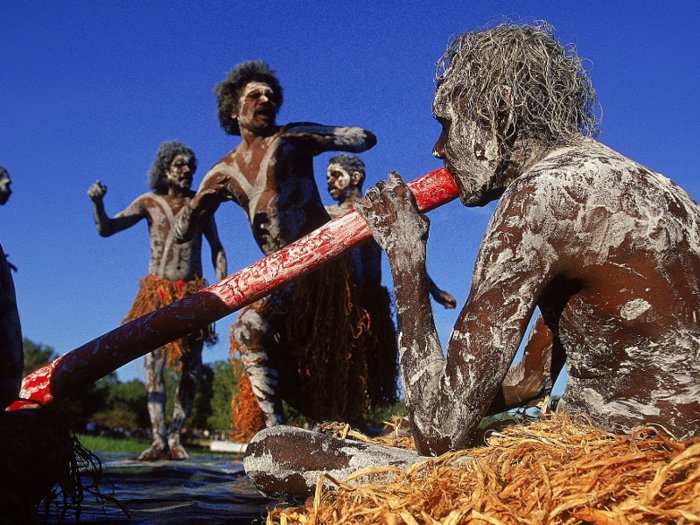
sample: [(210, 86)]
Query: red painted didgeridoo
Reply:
[(114, 349)]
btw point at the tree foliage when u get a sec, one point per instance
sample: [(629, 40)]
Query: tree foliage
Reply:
[(223, 392), (36, 355), (109, 403)]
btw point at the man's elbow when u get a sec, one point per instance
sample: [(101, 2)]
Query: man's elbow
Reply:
[(371, 140), (105, 231)]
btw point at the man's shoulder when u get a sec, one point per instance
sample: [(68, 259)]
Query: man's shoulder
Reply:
[(145, 199), (585, 155), (226, 160), (584, 161), (569, 168), (157, 198), (584, 169), (336, 210), (143, 204), (226, 165)]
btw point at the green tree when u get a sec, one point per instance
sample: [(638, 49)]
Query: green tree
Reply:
[(36, 355), (88, 400), (127, 405), (223, 390), (376, 417), (116, 415)]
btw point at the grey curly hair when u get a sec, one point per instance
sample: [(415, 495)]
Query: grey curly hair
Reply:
[(228, 91), (167, 151), (520, 73), (351, 163)]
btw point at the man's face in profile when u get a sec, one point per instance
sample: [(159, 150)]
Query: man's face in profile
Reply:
[(470, 152), (5, 190)]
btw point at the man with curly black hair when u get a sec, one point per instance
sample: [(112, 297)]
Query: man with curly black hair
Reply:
[(228, 94), (288, 353), (607, 249), (175, 271)]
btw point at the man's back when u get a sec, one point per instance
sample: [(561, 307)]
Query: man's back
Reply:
[(618, 248)]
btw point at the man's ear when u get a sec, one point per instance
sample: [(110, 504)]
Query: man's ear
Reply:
[(355, 178)]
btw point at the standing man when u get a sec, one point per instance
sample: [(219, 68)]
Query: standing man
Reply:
[(298, 343), (175, 271), (37, 451), (11, 350), (345, 176)]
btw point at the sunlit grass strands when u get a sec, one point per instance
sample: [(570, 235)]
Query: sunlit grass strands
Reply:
[(553, 471)]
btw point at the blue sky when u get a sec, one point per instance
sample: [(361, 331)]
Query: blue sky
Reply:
[(89, 89)]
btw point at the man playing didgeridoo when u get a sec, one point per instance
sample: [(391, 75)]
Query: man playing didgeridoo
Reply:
[(607, 249)]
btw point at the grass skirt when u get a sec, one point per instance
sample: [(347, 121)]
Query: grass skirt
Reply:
[(155, 293), (342, 339)]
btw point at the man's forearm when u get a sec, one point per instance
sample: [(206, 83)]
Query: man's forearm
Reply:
[(420, 354), (185, 226), (102, 222), (355, 140), (220, 264)]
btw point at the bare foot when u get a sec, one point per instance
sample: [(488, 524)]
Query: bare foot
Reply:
[(154, 453), (177, 451)]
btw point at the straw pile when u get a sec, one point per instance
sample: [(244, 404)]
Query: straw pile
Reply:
[(552, 471)]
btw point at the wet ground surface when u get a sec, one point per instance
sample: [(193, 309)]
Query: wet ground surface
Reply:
[(203, 489)]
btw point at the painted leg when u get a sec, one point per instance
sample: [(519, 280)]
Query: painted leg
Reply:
[(155, 392), (254, 335), (184, 396), (287, 462), (534, 376)]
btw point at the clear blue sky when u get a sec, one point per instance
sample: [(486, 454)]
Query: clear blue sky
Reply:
[(89, 89)]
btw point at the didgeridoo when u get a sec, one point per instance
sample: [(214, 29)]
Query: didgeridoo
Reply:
[(103, 355)]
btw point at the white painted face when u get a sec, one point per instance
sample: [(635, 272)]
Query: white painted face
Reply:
[(180, 172), (339, 181), (256, 107), (470, 153), (5, 190)]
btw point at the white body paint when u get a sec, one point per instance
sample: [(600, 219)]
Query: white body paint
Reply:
[(610, 252)]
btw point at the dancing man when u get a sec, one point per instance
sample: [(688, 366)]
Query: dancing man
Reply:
[(175, 271), (300, 344)]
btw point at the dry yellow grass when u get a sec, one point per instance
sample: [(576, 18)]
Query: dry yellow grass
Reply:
[(552, 471)]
